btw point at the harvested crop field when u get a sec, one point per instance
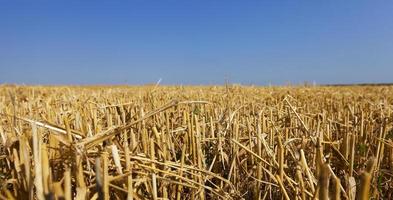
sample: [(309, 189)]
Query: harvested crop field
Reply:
[(208, 142)]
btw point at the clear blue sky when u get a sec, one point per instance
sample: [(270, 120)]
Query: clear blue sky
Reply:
[(195, 41)]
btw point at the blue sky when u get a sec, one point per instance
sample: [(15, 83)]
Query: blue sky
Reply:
[(195, 41)]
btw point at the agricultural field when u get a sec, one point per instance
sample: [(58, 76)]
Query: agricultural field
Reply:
[(196, 142)]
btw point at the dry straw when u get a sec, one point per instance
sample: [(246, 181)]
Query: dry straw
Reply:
[(212, 142)]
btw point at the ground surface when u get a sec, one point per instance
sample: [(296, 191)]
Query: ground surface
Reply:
[(154, 142)]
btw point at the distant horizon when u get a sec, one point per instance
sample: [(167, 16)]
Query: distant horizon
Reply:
[(191, 85)]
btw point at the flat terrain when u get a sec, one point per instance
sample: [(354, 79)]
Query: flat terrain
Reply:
[(210, 142)]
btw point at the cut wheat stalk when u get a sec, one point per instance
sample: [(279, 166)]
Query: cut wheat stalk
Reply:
[(214, 142)]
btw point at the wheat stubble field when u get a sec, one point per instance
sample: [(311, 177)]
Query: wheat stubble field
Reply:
[(207, 142)]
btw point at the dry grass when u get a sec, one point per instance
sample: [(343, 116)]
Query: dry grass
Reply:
[(229, 142)]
